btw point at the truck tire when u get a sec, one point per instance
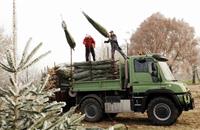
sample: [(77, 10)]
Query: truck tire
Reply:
[(162, 111), (180, 112), (92, 110)]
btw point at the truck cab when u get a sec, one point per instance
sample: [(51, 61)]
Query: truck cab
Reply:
[(155, 89), (146, 84)]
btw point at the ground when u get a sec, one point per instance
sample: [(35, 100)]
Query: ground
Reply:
[(189, 120)]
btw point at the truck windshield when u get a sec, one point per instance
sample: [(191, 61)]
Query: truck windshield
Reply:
[(166, 71)]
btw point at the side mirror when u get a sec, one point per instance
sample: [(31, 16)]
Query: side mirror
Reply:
[(154, 73), (156, 77), (153, 70)]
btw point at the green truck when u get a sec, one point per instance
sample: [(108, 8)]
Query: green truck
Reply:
[(145, 84)]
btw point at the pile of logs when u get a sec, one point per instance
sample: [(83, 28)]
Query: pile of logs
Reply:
[(82, 71), (98, 70)]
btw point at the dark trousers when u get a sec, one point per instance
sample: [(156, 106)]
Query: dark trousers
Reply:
[(119, 50), (88, 50)]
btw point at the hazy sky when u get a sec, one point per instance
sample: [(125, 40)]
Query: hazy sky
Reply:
[(41, 20)]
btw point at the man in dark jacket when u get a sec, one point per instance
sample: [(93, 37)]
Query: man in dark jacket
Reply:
[(89, 47), (114, 45)]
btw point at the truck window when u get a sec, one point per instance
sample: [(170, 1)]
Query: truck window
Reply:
[(141, 65), (146, 66), (166, 71)]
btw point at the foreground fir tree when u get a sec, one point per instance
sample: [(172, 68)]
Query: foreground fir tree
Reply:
[(28, 106)]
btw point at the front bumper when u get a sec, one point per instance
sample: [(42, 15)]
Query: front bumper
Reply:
[(187, 102)]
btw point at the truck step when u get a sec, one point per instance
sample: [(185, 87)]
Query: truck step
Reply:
[(137, 103)]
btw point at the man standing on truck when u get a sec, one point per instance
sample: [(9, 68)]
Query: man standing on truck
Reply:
[(114, 45), (89, 47)]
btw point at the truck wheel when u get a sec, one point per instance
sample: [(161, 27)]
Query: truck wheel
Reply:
[(180, 112), (92, 110), (162, 111)]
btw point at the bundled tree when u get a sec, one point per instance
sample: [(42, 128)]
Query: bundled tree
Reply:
[(27, 106), (170, 37)]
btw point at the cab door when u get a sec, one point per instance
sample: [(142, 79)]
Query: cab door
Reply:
[(144, 75)]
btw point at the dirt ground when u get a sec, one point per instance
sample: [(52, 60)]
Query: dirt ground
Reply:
[(189, 120)]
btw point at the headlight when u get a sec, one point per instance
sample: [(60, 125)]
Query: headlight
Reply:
[(187, 97)]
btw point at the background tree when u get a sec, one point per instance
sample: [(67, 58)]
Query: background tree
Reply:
[(170, 37)]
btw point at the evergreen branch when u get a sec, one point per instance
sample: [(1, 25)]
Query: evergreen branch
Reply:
[(54, 105), (9, 100), (55, 124), (53, 90), (34, 61), (45, 125), (6, 68), (12, 81), (77, 120), (10, 60), (30, 111), (57, 110), (11, 91), (25, 52), (63, 119), (28, 58), (58, 122), (14, 84), (39, 122), (33, 92), (3, 92), (20, 105), (26, 88), (71, 111), (44, 84)]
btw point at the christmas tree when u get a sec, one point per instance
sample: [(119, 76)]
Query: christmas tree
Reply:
[(27, 106)]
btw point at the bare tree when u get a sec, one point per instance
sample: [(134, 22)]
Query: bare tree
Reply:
[(170, 37)]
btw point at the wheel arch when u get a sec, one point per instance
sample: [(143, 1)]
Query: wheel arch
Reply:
[(151, 94), (94, 96)]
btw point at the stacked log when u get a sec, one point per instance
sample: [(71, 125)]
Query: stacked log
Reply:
[(64, 73), (98, 70), (53, 81)]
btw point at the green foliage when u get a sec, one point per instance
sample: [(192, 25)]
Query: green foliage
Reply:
[(28, 106)]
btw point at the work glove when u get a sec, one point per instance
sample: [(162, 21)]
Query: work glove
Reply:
[(106, 41), (93, 45)]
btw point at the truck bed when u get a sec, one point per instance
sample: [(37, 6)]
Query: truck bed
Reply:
[(102, 85)]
